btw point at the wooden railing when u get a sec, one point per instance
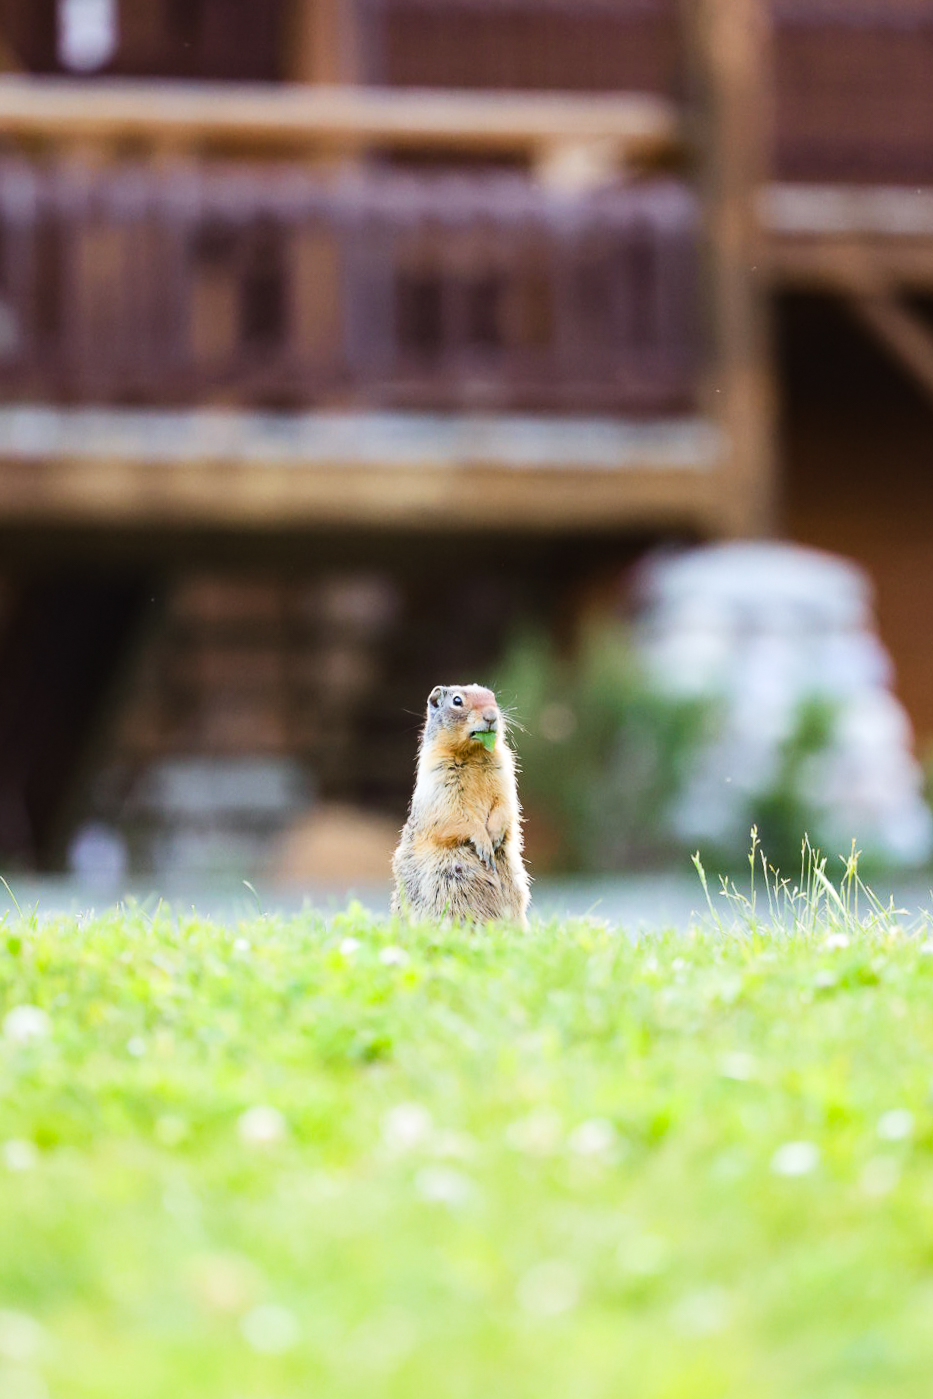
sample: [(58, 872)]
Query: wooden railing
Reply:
[(268, 285), (619, 131), (142, 264), (571, 149)]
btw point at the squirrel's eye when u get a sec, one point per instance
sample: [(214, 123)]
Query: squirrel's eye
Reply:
[(457, 699)]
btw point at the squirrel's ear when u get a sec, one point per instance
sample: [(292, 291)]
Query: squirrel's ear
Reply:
[(436, 696)]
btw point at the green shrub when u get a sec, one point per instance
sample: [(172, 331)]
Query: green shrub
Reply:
[(604, 754)]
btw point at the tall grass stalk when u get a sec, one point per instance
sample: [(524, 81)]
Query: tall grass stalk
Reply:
[(811, 907)]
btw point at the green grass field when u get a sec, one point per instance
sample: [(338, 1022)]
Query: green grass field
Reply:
[(359, 1159)]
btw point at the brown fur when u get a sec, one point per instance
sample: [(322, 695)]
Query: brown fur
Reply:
[(460, 854)]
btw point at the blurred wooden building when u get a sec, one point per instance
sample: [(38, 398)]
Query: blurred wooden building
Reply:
[(338, 335)]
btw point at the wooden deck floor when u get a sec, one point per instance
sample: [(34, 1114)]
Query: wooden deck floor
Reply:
[(410, 470)]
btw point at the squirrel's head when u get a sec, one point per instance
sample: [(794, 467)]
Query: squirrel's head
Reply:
[(461, 719)]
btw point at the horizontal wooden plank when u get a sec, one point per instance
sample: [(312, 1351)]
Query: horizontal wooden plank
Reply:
[(891, 211), (350, 439), (849, 239), (330, 119), (401, 470), (861, 266)]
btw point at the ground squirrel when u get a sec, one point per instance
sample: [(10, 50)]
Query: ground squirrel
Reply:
[(460, 855)]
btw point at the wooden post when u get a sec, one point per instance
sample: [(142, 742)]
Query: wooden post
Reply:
[(322, 42), (729, 54), (9, 62), (902, 332)]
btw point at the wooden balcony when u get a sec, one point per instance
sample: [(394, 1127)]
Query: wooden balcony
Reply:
[(240, 470), (563, 286), (278, 287)]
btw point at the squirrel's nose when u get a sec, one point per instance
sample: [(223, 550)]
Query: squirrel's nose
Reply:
[(491, 717)]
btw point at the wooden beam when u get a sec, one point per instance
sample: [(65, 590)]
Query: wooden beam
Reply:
[(814, 210), (729, 44), (322, 42), (204, 495), (14, 19), (219, 470), (906, 337), (848, 240), (850, 266), (641, 128), (9, 62)]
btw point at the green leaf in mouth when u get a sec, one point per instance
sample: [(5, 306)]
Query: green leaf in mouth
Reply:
[(487, 738)]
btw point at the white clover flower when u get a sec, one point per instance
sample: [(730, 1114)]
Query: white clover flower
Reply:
[(549, 1288), (393, 957), (348, 946), (382, 1340), (836, 942), (25, 1023), (536, 1134), (136, 1047), (442, 1185), (181, 1203), (242, 945), (22, 1382), (458, 1145), (926, 948), (795, 1159), (270, 1329), (406, 1126), (879, 1177), (19, 1155), (739, 1066), (702, 1313), (224, 1282), (170, 1130), (825, 979), (896, 1125), (643, 1255), (22, 1338), (261, 1126), (595, 1137)]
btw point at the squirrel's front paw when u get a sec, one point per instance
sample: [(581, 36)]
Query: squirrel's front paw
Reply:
[(486, 855)]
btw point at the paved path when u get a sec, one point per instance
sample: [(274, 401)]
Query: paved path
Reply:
[(634, 902)]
